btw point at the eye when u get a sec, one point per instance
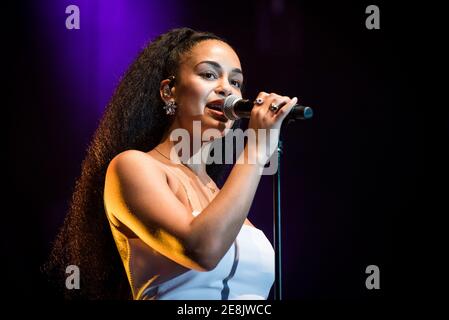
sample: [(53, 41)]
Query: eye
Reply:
[(236, 83), (209, 75)]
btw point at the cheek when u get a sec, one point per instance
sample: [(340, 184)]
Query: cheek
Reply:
[(194, 96)]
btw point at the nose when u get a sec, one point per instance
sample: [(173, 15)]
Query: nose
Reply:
[(224, 88)]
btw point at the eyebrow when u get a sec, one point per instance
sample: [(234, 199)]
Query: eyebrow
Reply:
[(217, 65)]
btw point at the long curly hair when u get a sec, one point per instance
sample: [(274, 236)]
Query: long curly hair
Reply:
[(133, 119)]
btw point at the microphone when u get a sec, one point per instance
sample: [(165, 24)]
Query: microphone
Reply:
[(235, 108)]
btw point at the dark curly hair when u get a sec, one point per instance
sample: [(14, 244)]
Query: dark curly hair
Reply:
[(133, 119)]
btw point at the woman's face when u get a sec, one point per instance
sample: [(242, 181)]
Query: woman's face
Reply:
[(208, 73)]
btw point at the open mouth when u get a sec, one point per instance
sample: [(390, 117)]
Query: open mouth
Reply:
[(215, 111), (214, 106)]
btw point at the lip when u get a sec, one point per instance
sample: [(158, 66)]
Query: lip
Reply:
[(215, 112), (215, 102), (217, 115)]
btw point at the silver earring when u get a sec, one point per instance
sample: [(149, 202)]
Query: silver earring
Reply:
[(166, 91), (170, 108)]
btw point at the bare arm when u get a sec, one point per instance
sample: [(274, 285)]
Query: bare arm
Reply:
[(138, 195), (220, 222)]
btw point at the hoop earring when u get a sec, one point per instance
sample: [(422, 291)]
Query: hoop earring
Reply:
[(170, 108)]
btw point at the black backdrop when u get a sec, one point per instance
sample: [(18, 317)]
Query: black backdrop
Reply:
[(349, 173)]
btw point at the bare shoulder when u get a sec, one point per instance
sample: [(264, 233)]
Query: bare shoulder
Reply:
[(134, 163), (130, 157), (132, 179)]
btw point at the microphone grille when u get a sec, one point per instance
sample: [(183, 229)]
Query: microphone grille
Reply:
[(228, 107)]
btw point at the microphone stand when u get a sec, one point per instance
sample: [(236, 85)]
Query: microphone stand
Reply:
[(277, 230), (277, 225), (277, 213)]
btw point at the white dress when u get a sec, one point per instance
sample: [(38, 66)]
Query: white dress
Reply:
[(246, 271)]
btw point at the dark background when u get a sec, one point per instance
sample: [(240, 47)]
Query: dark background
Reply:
[(349, 173)]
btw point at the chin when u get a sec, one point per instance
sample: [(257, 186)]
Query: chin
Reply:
[(218, 128), (217, 124)]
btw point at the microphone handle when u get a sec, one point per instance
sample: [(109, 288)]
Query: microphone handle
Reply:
[(243, 110), (300, 113)]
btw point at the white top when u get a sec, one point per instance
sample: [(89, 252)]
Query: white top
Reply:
[(245, 272)]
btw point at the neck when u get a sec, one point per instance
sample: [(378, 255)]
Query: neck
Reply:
[(192, 159)]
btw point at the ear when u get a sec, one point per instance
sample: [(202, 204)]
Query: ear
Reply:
[(166, 91)]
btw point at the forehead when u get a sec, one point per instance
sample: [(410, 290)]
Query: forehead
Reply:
[(213, 50)]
